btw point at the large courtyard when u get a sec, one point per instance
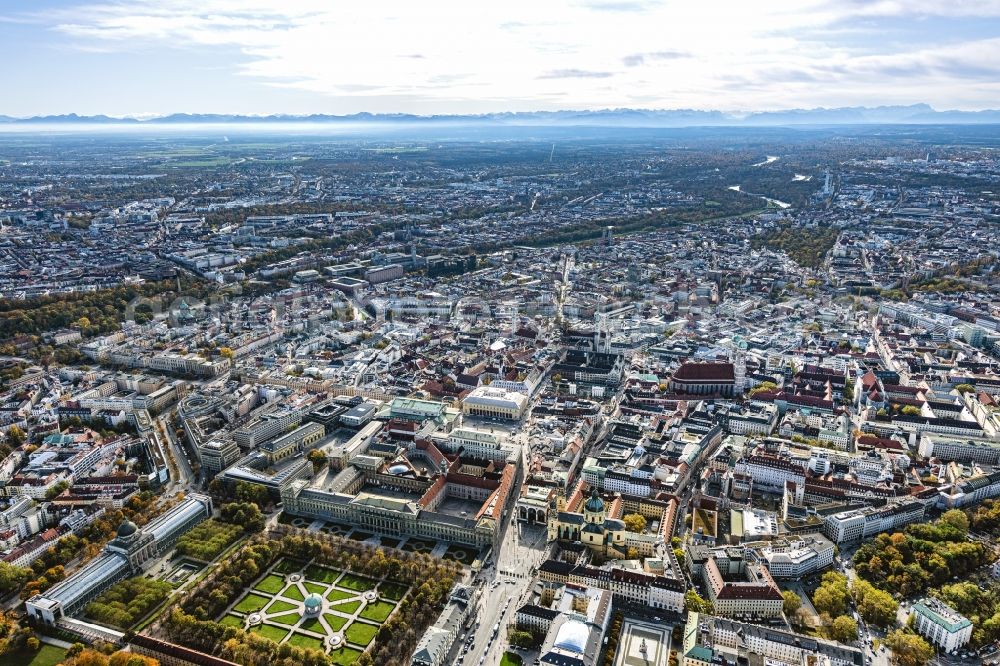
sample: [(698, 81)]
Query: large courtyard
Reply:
[(314, 606)]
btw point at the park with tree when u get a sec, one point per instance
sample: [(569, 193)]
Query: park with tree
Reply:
[(198, 619), (127, 602), (923, 556)]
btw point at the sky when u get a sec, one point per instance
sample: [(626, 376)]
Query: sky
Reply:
[(154, 57)]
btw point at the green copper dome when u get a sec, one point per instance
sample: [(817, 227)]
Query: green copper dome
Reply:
[(595, 504), (313, 604), (127, 529)]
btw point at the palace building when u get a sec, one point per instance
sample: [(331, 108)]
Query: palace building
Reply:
[(416, 491)]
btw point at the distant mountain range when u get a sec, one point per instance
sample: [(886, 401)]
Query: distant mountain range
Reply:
[(854, 115)]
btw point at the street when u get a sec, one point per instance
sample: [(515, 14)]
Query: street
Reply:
[(175, 450), (506, 586)]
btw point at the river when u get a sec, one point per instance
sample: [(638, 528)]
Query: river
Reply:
[(776, 202)]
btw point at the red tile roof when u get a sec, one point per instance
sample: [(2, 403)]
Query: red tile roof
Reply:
[(707, 372)]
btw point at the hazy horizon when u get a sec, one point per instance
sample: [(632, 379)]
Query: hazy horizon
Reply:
[(734, 116)]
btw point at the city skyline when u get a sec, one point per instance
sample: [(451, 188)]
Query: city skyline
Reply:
[(145, 59)]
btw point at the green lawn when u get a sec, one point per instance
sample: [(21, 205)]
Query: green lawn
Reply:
[(357, 583), (336, 622), (232, 621), (293, 592), (313, 624), (346, 607), (378, 611), (393, 591), (344, 656), (336, 595), (48, 655), (510, 659), (288, 618), (271, 632), (288, 566), (274, 595), (251, 603), (360, 633), (321, 574), (272, 584), (279, 606), (303, 641)]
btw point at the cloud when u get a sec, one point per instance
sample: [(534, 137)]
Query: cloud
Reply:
[(618, 5), (636, 59), (17, 20), (918, 8), (451, 54), (574, 74)]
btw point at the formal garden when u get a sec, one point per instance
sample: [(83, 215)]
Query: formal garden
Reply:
[(314, 599), (318, 607), (461, 554)]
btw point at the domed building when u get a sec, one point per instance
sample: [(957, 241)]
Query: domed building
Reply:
[(593, 510), (127, 529), (313, 605), (572, 636), (592, 527), (132, 543), (125, 556)]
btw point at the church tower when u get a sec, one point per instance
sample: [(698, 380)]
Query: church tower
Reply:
[(553, 523), (739, 358), (556, 505), (602, 335)]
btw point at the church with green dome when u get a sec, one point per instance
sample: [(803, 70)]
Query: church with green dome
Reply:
[(590, 524)]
